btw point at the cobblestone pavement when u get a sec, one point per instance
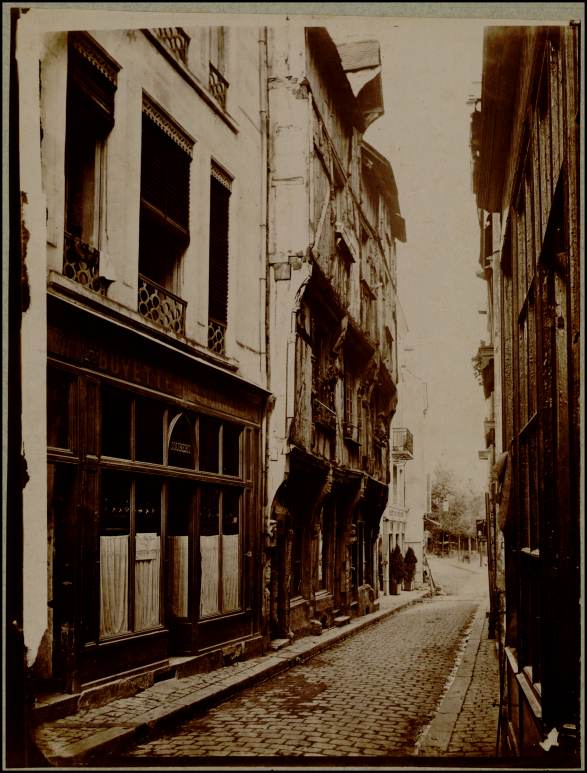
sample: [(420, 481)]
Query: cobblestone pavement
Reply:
[(369, 696)]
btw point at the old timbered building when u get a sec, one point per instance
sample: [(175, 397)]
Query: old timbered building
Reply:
[(333, 220), (525, 143)]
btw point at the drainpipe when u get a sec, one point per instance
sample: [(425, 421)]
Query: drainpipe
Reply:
[(264, 335), (264, 196), (264, 344)]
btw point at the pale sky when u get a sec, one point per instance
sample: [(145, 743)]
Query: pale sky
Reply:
[(430, 67)]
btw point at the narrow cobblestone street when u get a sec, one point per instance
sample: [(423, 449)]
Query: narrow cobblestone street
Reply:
[(372, 695)]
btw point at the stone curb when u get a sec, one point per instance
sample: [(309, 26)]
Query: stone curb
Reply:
[(123, 734), (436, 738)]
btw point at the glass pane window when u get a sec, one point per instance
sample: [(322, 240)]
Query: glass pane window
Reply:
[(84, 162), (116, 412), (91, 85), (115, 525), (165, 196), (148, 431), (130, 515), (115, 504), (181, 450), (231, 449), (147, 553), (220, 189), (180, 498), (220, 551), (209, 444), (210, 551), (59, 391), (230, 585)]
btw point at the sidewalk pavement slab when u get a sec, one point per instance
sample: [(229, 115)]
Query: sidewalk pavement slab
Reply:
[(436, 739)]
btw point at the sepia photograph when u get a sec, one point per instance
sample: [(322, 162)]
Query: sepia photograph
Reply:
[(293, 400)]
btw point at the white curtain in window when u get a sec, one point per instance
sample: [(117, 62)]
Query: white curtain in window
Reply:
[(178, 575), (230, 572), (147, 568), (113, 585), (209, 592)]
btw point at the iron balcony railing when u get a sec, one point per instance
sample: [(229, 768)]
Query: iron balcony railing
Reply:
[(218, 85), (81, 262), (176, 40), (161, 306), (402, 443), (216, 336), (397, 513)]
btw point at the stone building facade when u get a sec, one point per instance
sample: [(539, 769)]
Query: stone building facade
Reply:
[(142, 206)]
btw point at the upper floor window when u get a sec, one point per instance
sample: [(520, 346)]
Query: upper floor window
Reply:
[(218, 84), (164, 221), (220, 189), (91, 85), (368, 310)]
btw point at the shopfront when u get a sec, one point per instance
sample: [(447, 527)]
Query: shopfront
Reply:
[(154, 514)]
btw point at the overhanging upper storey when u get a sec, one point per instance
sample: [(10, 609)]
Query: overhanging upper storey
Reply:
[(380, 173), (501, 54), (353, 72), (361, 62)]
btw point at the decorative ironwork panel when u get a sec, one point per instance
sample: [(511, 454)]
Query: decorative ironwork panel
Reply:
[(218, 86), (161, 306), (81, 262), (216, 336), (176, 40)]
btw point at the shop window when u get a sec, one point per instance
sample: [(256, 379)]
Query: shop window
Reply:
[(116, 417), (231, 550), (181, 450), (219, 550), (164, 217), (115, 527), (130, 514), (148, 430), (91, 85), (179, 511), (147, 553), (220, 189), (59, 409), (209, 444), (231, 449)]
